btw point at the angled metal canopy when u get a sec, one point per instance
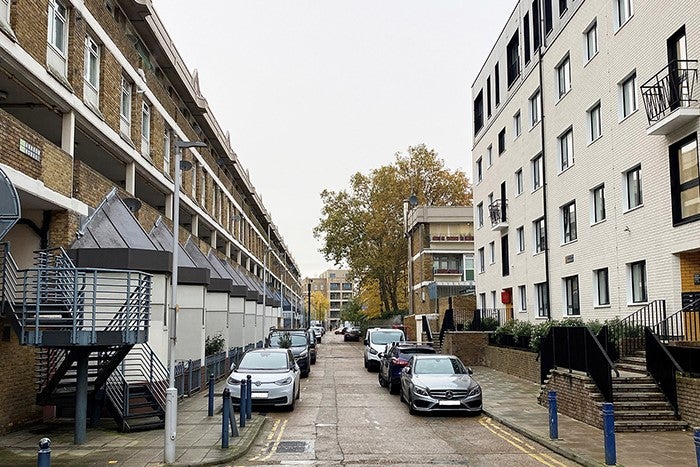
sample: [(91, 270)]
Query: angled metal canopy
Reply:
[(9, 205)]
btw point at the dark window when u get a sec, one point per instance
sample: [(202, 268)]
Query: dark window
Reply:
[(536, 24), (526, 37), (685, 180), (542, 299), (547, 16), (496, 85), (562, 7), (478, 112), (488, 97), (513, 59), (573, 306), (505, 261), (502, 141)]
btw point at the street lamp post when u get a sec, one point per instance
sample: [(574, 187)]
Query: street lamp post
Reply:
[(409, 204), (308, 310), (171, 392)]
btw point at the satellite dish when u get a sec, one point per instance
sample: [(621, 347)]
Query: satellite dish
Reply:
[(185, 165), (9, 205), (133, 204)]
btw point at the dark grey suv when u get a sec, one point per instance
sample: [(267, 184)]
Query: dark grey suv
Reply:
[(299, 346)]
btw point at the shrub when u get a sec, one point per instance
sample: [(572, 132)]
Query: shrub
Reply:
[(214, 344), (489, 324)]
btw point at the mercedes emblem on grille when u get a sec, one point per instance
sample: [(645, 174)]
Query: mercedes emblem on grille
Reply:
[(448, 395), (257, 383)]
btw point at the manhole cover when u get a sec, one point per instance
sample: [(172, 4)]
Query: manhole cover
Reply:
[(292, 446)]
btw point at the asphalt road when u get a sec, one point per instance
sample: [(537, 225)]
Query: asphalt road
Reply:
[(345, 418)]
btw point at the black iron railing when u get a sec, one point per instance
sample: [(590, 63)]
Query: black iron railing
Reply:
[(497, 212), (683, 325), (216, 365), (487, 319), (628, 333), (670, 89), (662, 366), (577, 349)]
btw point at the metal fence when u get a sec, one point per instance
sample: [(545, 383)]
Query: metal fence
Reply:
[(216, 365)]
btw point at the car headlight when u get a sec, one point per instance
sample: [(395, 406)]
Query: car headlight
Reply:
[(304, 353), (372, 351), (233, 381), (474, 391), (284, 382), (421, 391)]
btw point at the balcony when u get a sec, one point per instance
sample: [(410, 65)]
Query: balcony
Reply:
[(452, 238), (669, 97), (446, 272), (497, 212)]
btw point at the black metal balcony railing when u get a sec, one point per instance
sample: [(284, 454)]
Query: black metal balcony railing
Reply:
[(670, 89), (497, 212)]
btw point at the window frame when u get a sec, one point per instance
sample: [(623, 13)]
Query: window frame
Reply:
[(535, 105), (167, 156), (678, 186), (522, 298), (572, 296), (537, 171), (563, 76), (627, 84), (502, 141), (540, 235), (628, 10), (482, 259), (565, 149), (519, 182), (492, 252), (634, 269), (480, 215), (125, 103), (542, 294), (517, 125), (598, 213), (54, 13), (520, 236), (601, 276), (479, 170), (569, 229), (145, 128), (638, 193), (92, 55), (590, 38), (594, 116)]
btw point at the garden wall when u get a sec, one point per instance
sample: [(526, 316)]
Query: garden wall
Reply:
[(688, 390), (469, 346), (574, 398), (520, 363)]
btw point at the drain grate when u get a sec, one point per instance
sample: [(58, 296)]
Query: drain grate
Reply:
[(285, 447)]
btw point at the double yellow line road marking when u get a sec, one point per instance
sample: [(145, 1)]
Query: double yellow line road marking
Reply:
[(518, 443), (274, 437)]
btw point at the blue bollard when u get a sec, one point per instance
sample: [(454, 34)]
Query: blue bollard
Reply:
[(44, 454), (249, 404), (210, 412), (243, 400), (553, 417), (225, 411), (696, 439), (609, 434)]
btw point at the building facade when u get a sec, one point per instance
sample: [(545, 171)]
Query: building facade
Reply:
[(337, 287), (585, 160)]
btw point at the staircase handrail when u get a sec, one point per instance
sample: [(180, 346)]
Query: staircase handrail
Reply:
[(662, 366), (142, 366), (676, 328), (628, 333), (9, 282)]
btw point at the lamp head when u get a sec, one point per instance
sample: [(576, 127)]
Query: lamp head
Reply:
[(185, 166), (413, 201)]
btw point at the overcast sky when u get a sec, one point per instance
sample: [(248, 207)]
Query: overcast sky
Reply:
[(313, 91)]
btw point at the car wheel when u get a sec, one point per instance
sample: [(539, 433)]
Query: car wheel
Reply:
[(290, 407), (298, 391), (411, 408), (393, 388), (313, 361), (401, 396), (382, 383), (305, 374), (366, 364)]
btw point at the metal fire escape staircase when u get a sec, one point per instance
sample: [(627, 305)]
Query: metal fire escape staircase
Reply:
[(91, 327)]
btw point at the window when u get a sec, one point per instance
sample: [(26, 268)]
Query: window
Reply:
[(5, 11), (591, 41), (166, 151), (537, 172), (522, 297), (568, 222), (492, 253), (547, 16), (493, 299), (125, 107), (526, 37), (203, 191), (564, 77), (469, 268), (479, 215), (595, 128), (482, 260), (562, 7), (488, 97), (497, 85), (566, 149), (638, 281), (542, 299), (598, 204), (482, 301), (194, 181), (58, 26), (535, 24), (91, 71), (628, 96), (540, 235), (535, 108), (512, 56), (146, 129), (601, 290), (516, 125), (633, 187), (520, 233), (479, 170), (571, 298), (501, 141), (519, 182), (489, 156), (478, 112), (685, 180), (623, 12)]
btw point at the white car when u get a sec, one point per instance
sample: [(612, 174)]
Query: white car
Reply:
[(274, 376), (376, 340)]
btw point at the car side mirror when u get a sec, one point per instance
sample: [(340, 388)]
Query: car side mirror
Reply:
[(366, 342), (380, 355), (233, 366), (407, 370), (470, 371)]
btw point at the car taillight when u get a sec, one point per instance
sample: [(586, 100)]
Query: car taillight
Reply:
[(399, 361)]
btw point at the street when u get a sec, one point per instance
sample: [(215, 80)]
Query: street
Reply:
[(345, 417)]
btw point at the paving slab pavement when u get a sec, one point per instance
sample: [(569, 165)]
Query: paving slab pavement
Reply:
[(513, 402)]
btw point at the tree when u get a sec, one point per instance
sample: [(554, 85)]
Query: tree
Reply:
[(319, 305), (353, 311), (363, 226)]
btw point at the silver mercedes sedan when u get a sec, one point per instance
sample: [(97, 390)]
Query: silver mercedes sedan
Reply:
[(439, 383)]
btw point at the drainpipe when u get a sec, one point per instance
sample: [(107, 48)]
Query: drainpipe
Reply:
[(544, 159)]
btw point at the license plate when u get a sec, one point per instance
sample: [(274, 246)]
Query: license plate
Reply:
[(448, 403), (258, 395)]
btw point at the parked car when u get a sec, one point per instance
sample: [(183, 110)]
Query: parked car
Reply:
[(311, 334), (439, 383), (376, 340), (352, 334), (341, 330), (275, 377), (300, 346), (395, 359)]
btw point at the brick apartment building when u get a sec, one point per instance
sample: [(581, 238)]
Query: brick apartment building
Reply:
[(336, 286)]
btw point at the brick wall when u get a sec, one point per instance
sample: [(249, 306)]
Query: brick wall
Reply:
[(409, 323), (29, 21), (519, 363), (690, 265), (469, 346), (17, 400), (688, 390), (573, 396)]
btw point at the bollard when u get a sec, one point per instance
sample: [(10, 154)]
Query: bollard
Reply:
[(696, 439), (553, 417), (249, 406), (242, 404), (226, 414), (210, 412), (609, 433), (44, 454)]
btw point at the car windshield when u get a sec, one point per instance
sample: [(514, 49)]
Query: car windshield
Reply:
[(438, 366), (384, 337), (264, 361), (298, 340)]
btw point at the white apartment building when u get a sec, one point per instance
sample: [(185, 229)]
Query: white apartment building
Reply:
[(585, 159)]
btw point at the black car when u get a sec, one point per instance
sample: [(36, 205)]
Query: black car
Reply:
[(299, 344), (395, 359), (352, 334)]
